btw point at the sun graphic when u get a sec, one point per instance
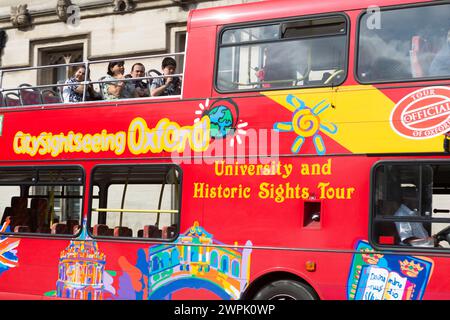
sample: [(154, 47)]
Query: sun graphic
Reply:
[(224, 119), (307, 123)]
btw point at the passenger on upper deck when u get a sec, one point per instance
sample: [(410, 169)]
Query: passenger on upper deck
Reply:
[(117, 89), (167, 86), (140, 86), (74, 91), (441, 62)]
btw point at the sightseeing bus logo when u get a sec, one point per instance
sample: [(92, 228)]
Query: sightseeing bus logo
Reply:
[(423, 114)]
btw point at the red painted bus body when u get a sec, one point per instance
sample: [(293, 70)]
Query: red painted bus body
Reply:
[(293, 215)]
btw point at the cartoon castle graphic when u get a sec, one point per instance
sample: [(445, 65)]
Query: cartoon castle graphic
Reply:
[(81, 268)]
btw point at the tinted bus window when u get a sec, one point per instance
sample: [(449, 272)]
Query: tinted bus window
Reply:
[(411, 205), (136, 201), (41, 200), (291, 54), (407, 44)]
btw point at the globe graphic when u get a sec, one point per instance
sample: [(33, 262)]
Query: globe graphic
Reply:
[(221, 120)]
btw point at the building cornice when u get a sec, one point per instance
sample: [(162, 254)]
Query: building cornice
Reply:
[(94, 9)]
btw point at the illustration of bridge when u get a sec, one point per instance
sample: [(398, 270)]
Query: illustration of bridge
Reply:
[(197, 261)]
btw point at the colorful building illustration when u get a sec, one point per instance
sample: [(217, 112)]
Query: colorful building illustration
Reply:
[(196, 260), (381, 277), (81, 268)]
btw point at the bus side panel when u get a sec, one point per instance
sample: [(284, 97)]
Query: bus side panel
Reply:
[(199, 71)]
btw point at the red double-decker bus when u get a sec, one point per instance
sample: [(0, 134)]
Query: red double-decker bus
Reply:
[(305, 158)]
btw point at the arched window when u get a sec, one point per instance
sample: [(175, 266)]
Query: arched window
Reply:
[(224, 264), (235, 268), (214, 259)]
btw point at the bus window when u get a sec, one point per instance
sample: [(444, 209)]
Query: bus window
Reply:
[(299, 53), (411, 205), (41, 200), (136, 201), (411, 43)]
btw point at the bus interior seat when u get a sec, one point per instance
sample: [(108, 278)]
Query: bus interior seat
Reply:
[(151, 231), (102, 230), (71, 224), (39, 214), (29, 95), (123, 232), (43, 229), (20, 214), (59, 228), (76, 229), (12, 99), (22, 229), (168, 232), (49, 97), (2, 101)]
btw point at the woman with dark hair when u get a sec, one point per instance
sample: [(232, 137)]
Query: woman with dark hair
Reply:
[(73, 92), (117, 89)]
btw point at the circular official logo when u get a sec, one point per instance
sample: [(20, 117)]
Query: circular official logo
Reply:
[(423, 114)]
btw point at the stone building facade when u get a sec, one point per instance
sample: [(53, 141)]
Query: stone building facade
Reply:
[(49, 32)]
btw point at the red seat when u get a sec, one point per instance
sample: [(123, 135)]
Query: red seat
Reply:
[(59, 228), (123, 232), (29, 95), (12, 100), (20, 214), (71, 224), (102, 230), (50, 96), (168, 232), (43, 229), (151, 231), (22, 229), (39, 214), (76, 229)]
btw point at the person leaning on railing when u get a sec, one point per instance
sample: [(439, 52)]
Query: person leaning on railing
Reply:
[(117, 89), (169, 85), (140, 86), (73, 92)]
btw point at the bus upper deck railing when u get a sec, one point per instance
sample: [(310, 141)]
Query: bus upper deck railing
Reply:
[(44, 94)]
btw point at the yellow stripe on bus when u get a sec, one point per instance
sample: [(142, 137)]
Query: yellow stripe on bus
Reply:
[(362, 115)]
